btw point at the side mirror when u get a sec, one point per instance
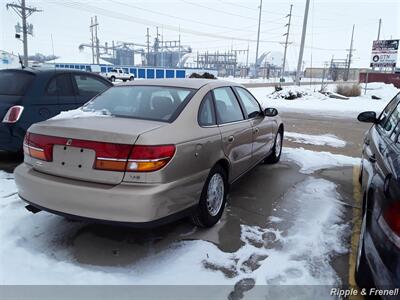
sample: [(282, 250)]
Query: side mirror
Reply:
[(270, 112), (367, 117)]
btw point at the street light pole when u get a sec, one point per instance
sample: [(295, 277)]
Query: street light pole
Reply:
[(258, 38), (303, 39)]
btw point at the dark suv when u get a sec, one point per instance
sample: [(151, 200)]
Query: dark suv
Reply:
[(32, 95), (378, 257)]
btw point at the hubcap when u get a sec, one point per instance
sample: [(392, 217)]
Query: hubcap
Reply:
[(278, 144), (215, 194), (360, 242)]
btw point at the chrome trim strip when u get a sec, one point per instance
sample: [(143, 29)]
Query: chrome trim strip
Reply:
[(34, 148), (148, 160), (111, 159)]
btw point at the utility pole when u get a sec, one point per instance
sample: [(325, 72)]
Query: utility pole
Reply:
[(286, 42), (148, 46), (95, 40), (258, 38), (350, 54), (92, 38), (379, 29), (303, 39), (157, 44), (24, 12), (247, 56), (96, 24)]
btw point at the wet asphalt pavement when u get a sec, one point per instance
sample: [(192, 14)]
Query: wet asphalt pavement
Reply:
[(252, 200)]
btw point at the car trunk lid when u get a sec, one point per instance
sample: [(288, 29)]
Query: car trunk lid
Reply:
[(75, 146)]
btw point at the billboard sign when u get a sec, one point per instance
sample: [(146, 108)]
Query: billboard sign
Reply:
[(384, 53)]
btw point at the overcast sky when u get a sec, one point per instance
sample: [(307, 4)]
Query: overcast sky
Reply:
[(210, 25)]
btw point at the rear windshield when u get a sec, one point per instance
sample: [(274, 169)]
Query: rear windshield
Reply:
[(15, 82), (157, 103)]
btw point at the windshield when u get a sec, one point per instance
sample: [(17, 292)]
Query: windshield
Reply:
[(157, 103), (15, 82)]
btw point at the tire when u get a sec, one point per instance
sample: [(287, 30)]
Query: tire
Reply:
[(362, 272), (131, 78), (275, 156), (360, 175), (112, 79), (124, 80), (209, 212)]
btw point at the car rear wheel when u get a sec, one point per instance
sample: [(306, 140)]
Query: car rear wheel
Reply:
[(275, 155), (131, 78), (212, 199), (363, 273), (112, 79)]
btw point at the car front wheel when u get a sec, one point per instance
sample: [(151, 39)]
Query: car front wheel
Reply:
[(212, 199)]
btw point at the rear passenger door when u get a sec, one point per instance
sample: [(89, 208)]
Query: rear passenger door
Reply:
[(59, 93), (236, 131), (262, 126), (87, 87)]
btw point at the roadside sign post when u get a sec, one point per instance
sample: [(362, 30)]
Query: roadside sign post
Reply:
[(384, 54)]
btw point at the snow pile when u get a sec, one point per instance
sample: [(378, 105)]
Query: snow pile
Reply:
[(316, 103), (291, 93), (310, 161), (80, 113), (318, 140)]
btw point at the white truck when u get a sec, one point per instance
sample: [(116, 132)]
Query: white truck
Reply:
[(118, 73)]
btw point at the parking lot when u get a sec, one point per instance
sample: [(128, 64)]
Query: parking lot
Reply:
[(290, 223)]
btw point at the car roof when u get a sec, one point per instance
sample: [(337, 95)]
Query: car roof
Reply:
[(43, 70), (192, 83)]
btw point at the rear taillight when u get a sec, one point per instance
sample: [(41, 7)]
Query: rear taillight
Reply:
[(392, 217), (149, 158), (41, 146), (13, 114), (109, 156)]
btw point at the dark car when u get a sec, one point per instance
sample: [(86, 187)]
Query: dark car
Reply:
[(31, 95), (378, 256)]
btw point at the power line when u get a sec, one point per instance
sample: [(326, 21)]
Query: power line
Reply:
[(138, 20), (177, 17)]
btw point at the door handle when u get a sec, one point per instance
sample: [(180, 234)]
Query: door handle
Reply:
[(372, 158), (231, 138)]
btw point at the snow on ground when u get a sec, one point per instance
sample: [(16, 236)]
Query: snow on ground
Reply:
[(311, 161), (266, 80), (318, 140), (34, 249), (319, 104)]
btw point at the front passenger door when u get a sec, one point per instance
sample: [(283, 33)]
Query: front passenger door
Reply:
[(263, 127), (236, 131)]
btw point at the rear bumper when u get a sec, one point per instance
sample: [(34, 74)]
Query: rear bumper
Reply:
[(122, 203)]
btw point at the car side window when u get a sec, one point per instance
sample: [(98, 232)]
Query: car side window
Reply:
[(391, 121), (387, 111), (60, 85), (89, 86), (250, 104), (227, 106), (206, 111)]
